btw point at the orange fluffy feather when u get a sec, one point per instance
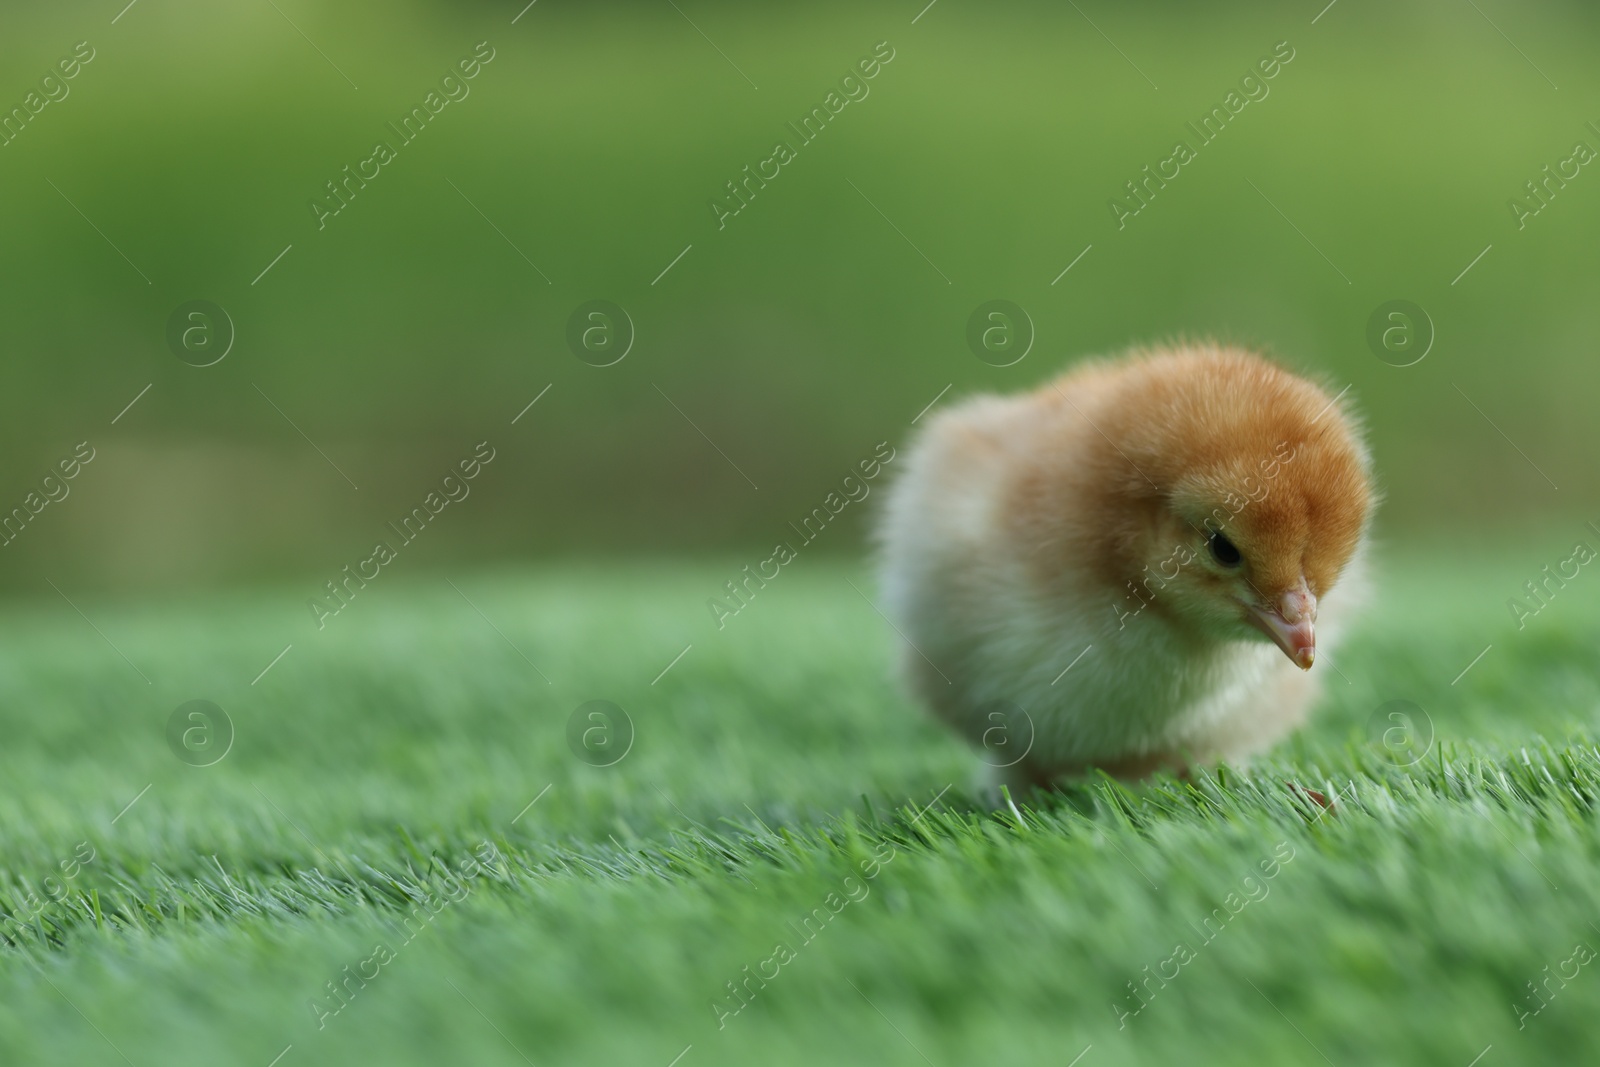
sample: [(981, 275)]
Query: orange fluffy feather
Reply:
[(1104, 511)]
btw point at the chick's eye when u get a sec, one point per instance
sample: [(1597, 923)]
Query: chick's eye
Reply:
[(1225, 551)]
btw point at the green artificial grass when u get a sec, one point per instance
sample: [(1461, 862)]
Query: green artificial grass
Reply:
[(782, 812)]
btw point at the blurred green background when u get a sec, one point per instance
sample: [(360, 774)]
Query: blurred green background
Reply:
[(818, 322)]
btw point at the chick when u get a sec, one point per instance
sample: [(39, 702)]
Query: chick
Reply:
[(1130, 568)]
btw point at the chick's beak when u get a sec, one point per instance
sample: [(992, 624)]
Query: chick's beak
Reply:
[(1290, 624)]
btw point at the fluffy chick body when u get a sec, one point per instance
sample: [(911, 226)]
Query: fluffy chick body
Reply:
[(1079, 519)]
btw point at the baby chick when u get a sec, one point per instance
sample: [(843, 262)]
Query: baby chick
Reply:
[(1095, 574)]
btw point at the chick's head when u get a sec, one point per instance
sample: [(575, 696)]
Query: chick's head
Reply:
[(1261, 496)]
